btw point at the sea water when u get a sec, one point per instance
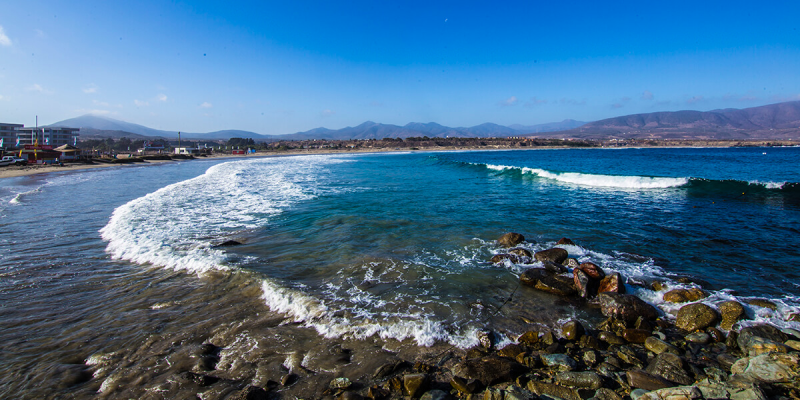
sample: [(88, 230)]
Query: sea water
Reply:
[(392, 248)]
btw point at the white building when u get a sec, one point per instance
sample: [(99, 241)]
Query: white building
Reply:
[(8, 133), (55, 136)]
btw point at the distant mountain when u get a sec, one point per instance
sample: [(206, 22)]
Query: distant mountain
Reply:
[(551, 127), (773, 121), (91, 122)]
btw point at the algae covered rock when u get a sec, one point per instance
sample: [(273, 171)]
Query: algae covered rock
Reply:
[(696, 316), (510, 239)]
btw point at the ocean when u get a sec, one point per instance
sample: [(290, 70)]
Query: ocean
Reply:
[(111, 278)]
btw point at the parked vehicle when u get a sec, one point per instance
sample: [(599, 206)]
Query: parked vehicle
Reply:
[(8, 160)]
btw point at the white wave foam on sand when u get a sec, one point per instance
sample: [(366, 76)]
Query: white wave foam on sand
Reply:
[(608, 181)]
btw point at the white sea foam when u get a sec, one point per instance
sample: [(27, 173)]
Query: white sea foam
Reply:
[(609, 181), (768, 185)]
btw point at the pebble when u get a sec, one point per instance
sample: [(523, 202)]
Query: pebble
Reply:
[(698, 337)]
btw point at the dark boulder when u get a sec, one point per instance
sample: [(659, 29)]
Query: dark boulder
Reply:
[(557, 284), (670, 367), (499, 258), (510, 239), (556, 255), (250, 393), (566, 241), (554, 268), (572, 330), (489, 370), (531, 276), (612, 283), (643, 380), (592, 270), (685, 295), (625, 307), (520, 252)]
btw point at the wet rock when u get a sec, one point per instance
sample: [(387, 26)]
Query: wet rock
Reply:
[(510, 351), (529, 338), (605, 394), (532, 276), (625, 307), (732, 312), (466, 386), (559, 362), (198, 379), (377, 393), (250, 393), (548, 389), (572, 263), (554, 268), (674, 393), (415, 384), (612, 283), (228, 243), (565, 241), (793, 344), (528, 360), (556, 284), (572, 330), (791, 333), (589, 342), (610, 338), (698, 337), (583, 380), (629, 356), (762, 303), (684, 295), (726, 361), (556, 255), (288, 379), (643, 380), (670, 367), (521, 252), (517, 393), (758, 345), (510, 239), (635, 335), (768, 332), (350, 396), (770, 368), (715, 334), (585, 285), (489, 370), (793, 317), (592, 270), (589, 357), (486, 337), (548, 338), (340, 383), (692, 317), (499, 258), (493, 394), (733, 391), (387, 369), (435, 395), (659, 346)]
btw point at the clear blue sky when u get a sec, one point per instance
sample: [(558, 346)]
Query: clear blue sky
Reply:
[(287, 66)]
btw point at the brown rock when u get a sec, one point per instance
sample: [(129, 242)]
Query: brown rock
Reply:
[(556, 284), (670, 367), (520, 252), (498, 258), (684, 295), (250, 393), (572, 330), (610, 338), (464, 386), (565, 241), (510, 351), (489, 370), (510, 239), (531, 276), (415, 384), (625, 307), (551, 390), (554, 268), (593, 270), (377, 393), (586, 286), (692, 317), (732, 312), (530, 338), (556, 255), (643, 380), (611, 283), (762, 303), (635, 335)]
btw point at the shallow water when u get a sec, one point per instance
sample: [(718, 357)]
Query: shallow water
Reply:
[(112, 278)]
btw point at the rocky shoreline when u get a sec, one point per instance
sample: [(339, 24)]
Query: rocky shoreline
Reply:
[(636, 352)]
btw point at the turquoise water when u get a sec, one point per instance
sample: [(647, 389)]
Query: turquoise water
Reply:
[(384, 246)]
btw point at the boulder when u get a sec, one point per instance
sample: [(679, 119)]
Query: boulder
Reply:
[(625, 307), (685, 295), (605, 394), (583, 380), (499, 258), (435, 395), (611, 283), (554, 268), (415, 384), (746, 340), (572, 263), (762, 303), (643, 380), (559, 362), (610, 338), (466, 386), (520, 252), (758, 345), (531, 276), (692, 317), (675, 393), (556, 255), (732, 312), (511, 351), (586, 286), (670, 367), (635, 335), (659, 346), (557, 284), (593, 270), (250, 393), (565, 241), (770, 368), (510, 239), (552, 391), (572, 330), (489, 370), (529, 338)]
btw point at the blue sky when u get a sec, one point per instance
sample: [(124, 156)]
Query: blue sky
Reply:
[(288, 66)]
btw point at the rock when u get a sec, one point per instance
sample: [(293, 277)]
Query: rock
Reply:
[(670, 367), (554, 268), (250, 393), (556, 255), (510, 351), (715, 334), (589, 357), (466, 386), (692, 317), (593, 270), (610, 338), (387, 369), (288, 379), (586, 286), (510, 239), (659, 346), (487, 338), (643, 380), (556, 284), (762, 303), (489, 370), (637, 394), (435, 395), (605, 394), (548, 389), (635, 335), (732, 312), (611, 283), (531, 277), (572, 330), (228, 243), (758, 345), (793, 317), (415, 384), (588, 342), (726, 361), (377, 393), (684, 295), (528, 360), (572, 263), (791, 333), (625, 307), (698, 337), (350, 396), (768, 332), (198, 379), (517, 393), (493, 394), (499, 258), (674, 393), (529, 338), (769, 368), (520, 252), (629, 356), (560, 362), (737, 391), (794, 344), (565, 241), (583, 380), (340, 383)]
